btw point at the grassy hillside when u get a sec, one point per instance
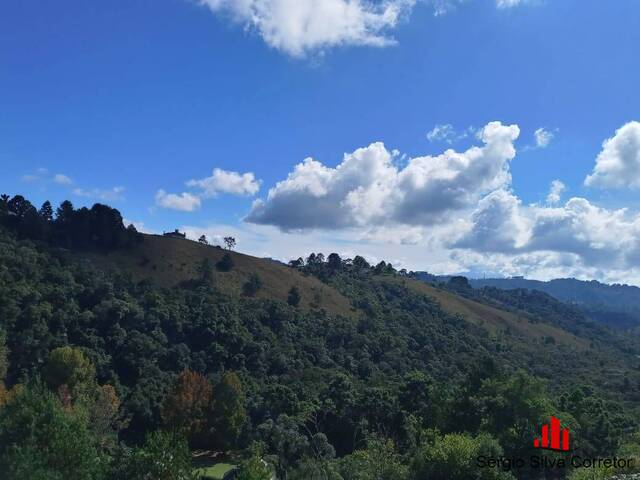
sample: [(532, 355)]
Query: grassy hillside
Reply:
[(496, 320), (170, 261)]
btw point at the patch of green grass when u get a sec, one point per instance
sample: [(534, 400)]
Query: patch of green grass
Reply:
[(216, 472)]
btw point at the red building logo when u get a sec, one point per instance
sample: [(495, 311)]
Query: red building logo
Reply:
[(552, 442)]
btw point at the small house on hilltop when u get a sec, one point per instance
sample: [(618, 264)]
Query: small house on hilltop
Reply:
[(175, 234)]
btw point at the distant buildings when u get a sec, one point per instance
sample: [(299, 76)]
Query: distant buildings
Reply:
[(175, 234)]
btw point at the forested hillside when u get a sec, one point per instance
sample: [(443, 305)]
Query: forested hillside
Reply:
[(615, 305), (118, 350)]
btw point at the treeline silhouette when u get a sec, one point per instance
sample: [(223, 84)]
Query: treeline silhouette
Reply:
[(98, 227)]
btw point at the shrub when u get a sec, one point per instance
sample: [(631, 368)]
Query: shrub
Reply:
[(225, 264)]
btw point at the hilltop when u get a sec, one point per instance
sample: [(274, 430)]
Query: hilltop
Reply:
[(170, 261)]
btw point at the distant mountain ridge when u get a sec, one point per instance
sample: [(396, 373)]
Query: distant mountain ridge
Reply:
[(615, 305)]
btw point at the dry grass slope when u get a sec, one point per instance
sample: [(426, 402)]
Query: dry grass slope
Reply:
[(169, 261), (494, 319)]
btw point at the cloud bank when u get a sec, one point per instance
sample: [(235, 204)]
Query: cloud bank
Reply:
[(462, 204)]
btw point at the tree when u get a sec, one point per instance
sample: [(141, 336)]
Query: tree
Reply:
[(4, 205), (511, 408), (459, 284), (380, 268), (285, 441), (205, 270), (164, 456), (4, 366), (64, 213), (454, 457), (334, 262), (299, 262), (230, 412), (293, 298), (254, 468), (379, 461), (225, 264), (68, 366), (41, 440), (360, 263), (188, 406), (230, 242), (4, 354), (105, 417), (252, 285), (46, 211), (203, 240)]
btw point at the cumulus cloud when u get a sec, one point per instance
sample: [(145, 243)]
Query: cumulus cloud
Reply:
[(222, 181), (618, 164), (543, 137), (107, 195), (498, 225), (555, 191), (298, 27), (185, 202), (367, 188), (453, 212), (583, 235)]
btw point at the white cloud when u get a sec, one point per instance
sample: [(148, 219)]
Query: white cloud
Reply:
[(555, 191), (577, 236), (618, 164), (111, 195), (498, 225), (543, 137), (140, 226), (444, 133), (62, 179), (367, 188), (442, 7), (43, 175), (448, 134), (299, 27), (510, 3), (185, 202), (450, 213), (222, 181)]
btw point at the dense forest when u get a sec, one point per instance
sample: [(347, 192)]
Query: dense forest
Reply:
[(105, 375)]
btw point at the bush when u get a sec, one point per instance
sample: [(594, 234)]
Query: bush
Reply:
[(225, 264), (253, 285), (294, 297)]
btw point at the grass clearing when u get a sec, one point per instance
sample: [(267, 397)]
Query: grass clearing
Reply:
[(216, 472)]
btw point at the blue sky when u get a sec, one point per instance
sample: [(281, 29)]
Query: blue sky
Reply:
[(128, 100)]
